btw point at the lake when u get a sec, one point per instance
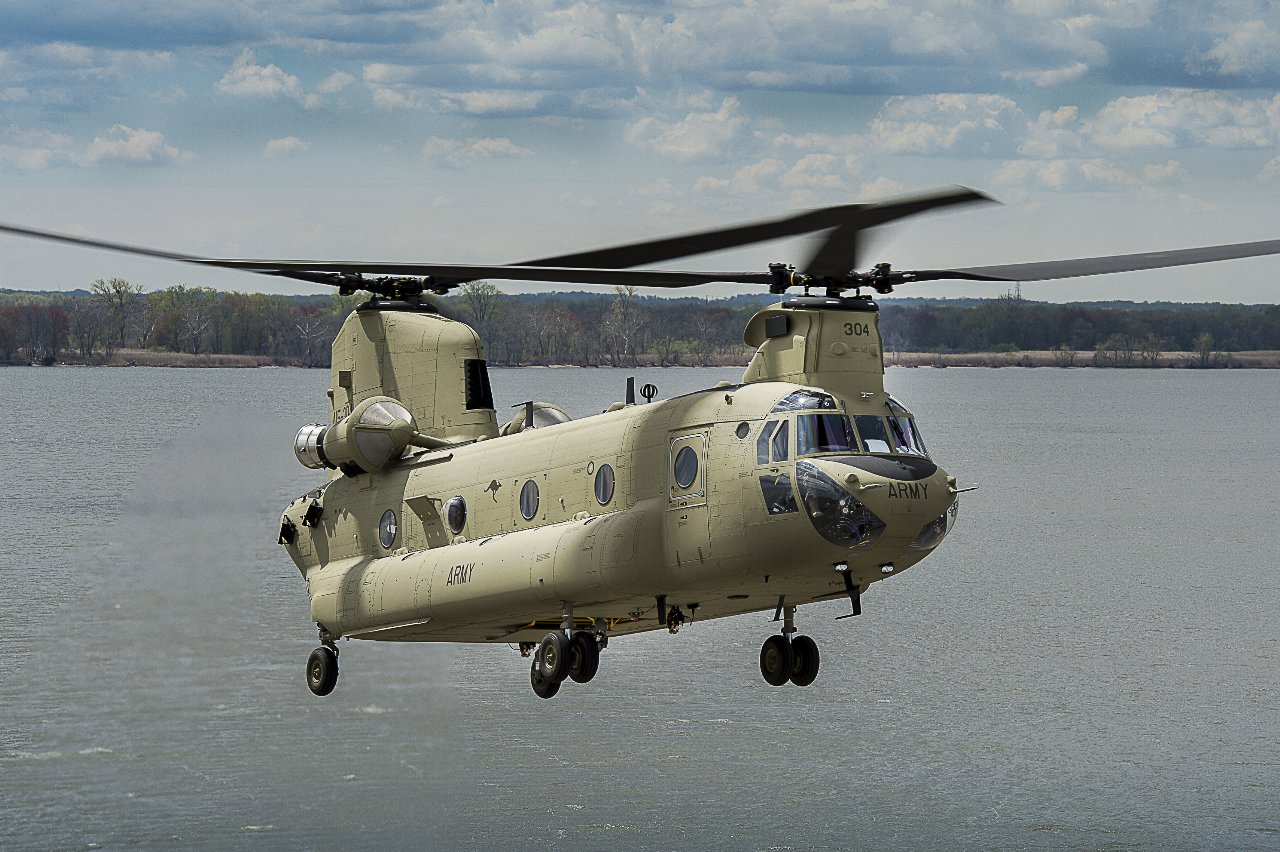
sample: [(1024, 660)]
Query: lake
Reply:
[(1090, 661)]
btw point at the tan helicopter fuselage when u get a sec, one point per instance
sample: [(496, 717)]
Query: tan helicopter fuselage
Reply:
[(706, 503)]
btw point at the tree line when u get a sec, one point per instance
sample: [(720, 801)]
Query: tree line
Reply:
[(621, 329)]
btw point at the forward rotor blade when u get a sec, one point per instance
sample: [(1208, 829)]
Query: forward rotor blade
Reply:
[(332, 272), (1080, 267), (837, 255), (98, 244)]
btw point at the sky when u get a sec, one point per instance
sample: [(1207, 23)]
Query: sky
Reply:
[(495, 132)]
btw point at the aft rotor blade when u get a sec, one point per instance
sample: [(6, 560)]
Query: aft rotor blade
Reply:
[(847, 219), (1080, 267), (837, 255), (452, 274), (702, 242)]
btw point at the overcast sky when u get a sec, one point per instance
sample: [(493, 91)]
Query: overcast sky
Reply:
[(492, 132)]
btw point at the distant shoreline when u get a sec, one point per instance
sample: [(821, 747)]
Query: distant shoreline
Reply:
[(1253, 360)]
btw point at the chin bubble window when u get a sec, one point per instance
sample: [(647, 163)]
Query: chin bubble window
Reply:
[(839, 516)]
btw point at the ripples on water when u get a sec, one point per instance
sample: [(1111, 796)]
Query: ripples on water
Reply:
[(1089, 662)]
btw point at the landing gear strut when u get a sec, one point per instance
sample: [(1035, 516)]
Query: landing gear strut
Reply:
[(785, 657)]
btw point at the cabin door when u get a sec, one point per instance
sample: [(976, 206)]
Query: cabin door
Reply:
[(687, 536)]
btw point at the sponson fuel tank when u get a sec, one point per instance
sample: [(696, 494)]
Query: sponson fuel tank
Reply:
[(426, 593)]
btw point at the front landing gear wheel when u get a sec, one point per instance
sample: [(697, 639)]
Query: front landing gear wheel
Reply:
[(584, 654), (542, 687), (805, 666), (776, 660), (322, 671), (553, 657)]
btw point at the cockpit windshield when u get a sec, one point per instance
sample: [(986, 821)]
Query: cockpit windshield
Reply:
[(820, 428), (874, 435), (824, 433)]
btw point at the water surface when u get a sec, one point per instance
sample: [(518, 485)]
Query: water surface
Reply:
[(1090, 661)]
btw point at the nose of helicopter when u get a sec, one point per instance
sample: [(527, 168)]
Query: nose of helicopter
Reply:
[(855, 501)]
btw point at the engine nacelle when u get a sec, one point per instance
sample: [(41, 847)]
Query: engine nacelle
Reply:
[(370, 438)]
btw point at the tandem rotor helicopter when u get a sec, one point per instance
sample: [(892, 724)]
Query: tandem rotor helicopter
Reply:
[(805, 481)]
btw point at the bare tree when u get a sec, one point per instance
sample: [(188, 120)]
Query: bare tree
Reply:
[(483, 301), (86, 325), (622, 327), (120, 298)]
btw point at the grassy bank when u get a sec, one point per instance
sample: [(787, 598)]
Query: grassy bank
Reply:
[(1267, 359)]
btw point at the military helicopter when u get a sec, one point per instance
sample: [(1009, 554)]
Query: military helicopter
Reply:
[(805, 481)]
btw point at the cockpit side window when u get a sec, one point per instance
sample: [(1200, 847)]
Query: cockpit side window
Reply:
[(873, 433), (906, 436), (780, 440), (762, 443)]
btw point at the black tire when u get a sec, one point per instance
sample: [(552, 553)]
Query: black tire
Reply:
[(554, 656), (542, 687), (586, 657), (776, 660), (805, 666), (322, 671)]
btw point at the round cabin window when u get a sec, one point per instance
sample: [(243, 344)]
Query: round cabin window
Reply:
[(604, 484), (455, 514), (529, 500), (387, 529), (686, 467)]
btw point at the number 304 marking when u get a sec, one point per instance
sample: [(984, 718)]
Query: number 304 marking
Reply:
[(856, 329)]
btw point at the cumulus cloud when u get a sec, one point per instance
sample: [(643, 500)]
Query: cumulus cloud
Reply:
[(1048, 77), (881, 187), (248, 79), (1246, 48), (1066, 175), (696, 135), (1271, 171), (963, 125), (336, 82), (123, 144), (492, 102), (1183, 117), (393, 86), (31, 150), (459, 154), (284, 145)]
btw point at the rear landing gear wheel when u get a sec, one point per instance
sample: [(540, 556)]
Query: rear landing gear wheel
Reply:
[(584, 657), (804, 667), (322, 671), (776, 660), (542, 687)]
